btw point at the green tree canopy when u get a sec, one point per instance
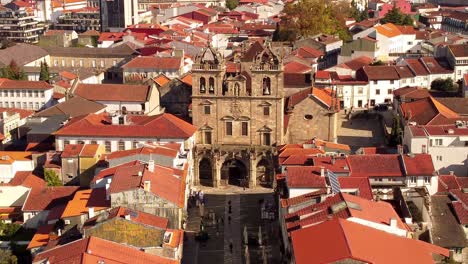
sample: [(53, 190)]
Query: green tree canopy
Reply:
[(44, 75), (311, 17), (396, 17), (13, 72), (445, 85), (7, 257), (52, 178), (231, 4)]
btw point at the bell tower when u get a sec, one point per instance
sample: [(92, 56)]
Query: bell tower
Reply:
[(238, 109)]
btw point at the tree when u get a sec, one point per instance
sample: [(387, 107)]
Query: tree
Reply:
[(44, 74), (311, 17), (13, 72), (231, 4), (445, 85), (358, 15), (396, 17), (397, 132), (52, 178), (7, 257)]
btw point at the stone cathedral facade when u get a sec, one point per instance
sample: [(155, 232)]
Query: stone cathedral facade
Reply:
[(238, 108)]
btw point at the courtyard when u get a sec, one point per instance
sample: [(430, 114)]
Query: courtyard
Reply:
[(362, 130), (245, 217)]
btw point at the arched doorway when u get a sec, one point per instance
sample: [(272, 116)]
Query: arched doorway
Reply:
[(264, 173), (234, 172), (205, 172)]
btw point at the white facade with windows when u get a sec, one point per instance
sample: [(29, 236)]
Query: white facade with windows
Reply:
[(449, 151), (381, 91), (23, 98)]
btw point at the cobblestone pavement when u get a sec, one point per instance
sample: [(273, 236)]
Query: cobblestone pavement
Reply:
[(245, 211), (360, 132)]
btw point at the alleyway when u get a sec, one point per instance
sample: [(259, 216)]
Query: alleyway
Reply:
[(246, 211)]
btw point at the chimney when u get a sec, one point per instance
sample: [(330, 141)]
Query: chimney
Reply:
[(147, 186), (393, 222), (59, 232), (322, 172), (127, 217), (400, 149), (333, 159), (107, 191), (151, 165), (90, 212), (451, 173)]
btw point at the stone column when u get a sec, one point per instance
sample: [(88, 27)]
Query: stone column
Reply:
[(253, 172), (196, 171), (216, 172)]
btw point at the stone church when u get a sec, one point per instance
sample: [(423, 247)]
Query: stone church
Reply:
[(238, 107)]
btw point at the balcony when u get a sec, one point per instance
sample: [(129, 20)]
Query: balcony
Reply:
[(206, 67), (266, 67)]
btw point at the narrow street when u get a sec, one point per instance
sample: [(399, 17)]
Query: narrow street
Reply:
[(245, 215)]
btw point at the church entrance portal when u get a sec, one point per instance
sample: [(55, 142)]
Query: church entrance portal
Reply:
[(206, 172), (234, 172)]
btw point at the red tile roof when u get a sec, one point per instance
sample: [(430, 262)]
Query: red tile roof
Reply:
[(389, 30), (27, 179), (33, 85), (40, 199), (296, 67), (448, 182), (375, 166), (417, 165), (72, 150), (357, 63), (428, 111), (85, 199), (348, 242), (459, 50), (361, 184), (22, 112), (109, 172), (160, 126), (323, 96), (136, 216), (381, 73), (461, 212), (155, 63), (89, 150), (304, 177), (411, 93), (163, 150), (161, 79), (164, 181), (417, 67), (303, 198), (113, 92), (94, 250)]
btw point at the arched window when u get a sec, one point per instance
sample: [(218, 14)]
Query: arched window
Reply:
[(211, 85), (236, 89), (266, 86), (202, 85)]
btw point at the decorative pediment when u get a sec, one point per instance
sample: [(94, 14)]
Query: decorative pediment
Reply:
[(206, 102), (227, 118), (243, 118), (206, 127), (264, 103), (265, 129)]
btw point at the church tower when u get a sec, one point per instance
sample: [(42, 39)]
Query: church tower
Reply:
[(238, 109)]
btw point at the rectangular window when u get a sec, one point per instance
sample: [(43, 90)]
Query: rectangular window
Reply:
[(66, 142), (208, 137), (30, 106), (36, 94), (121, 145), (207, 109), (18, 93), (377, 91), (439, 158), (389, 91), (93, 142), (228, 128), (375, 82), (81, 63), (30, 93), (392, 81), (42, 94), (267, 139), (245, 128), (36, 106), (427, 180), (12, 93), (413, 179), (266, 110), (108, 146), (134, 144), (360, 90)]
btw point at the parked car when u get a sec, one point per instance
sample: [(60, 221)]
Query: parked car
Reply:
[(381, 107)]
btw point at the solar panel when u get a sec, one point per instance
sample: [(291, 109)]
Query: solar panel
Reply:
[(333, 179)]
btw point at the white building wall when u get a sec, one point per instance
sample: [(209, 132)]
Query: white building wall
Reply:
[(294, 192), (31, 99), (392, 230), (383, 86)]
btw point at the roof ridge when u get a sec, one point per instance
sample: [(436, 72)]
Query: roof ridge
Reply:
[(339, 220)]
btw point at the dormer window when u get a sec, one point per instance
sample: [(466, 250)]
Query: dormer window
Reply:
[(266, 86), (211, 85), (202, 85)]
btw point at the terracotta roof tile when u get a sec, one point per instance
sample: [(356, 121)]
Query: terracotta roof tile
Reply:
[(27, 179), (72, 150), (375, 165), (40, 199), (417, 165), (93, 250), (135, 216), (33, 85), (187, 79), (113, 92), (155, 63), (89, 150), (85, 199), (304, 177), (161, 79), (381, 73), (160, 126), (459, 50), (389, 30), (41, 237), (296, 67), (347, 241)]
